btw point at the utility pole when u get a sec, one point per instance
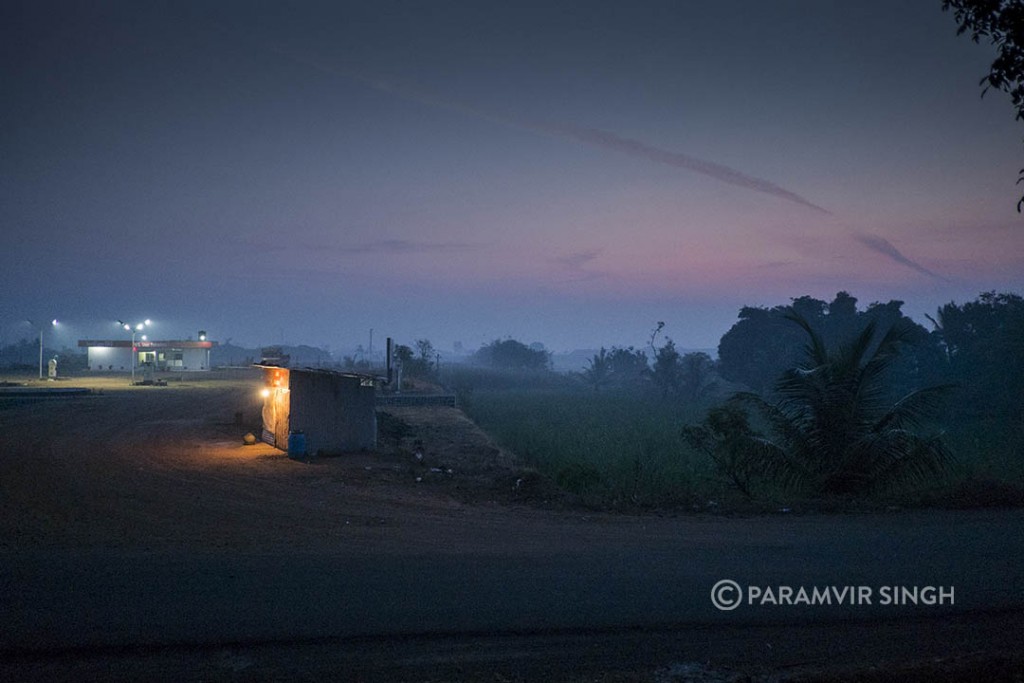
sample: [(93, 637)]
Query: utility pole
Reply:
[(370, 352)]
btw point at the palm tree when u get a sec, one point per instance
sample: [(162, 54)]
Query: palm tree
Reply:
[(832, 428), (599, 372)]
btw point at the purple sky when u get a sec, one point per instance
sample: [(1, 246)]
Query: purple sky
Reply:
[(569, 173)]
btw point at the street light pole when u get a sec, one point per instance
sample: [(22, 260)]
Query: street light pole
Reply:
[(41, 329), (134, 330), (133, 357)]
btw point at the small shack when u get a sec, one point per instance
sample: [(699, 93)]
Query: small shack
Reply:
[(335, 411)]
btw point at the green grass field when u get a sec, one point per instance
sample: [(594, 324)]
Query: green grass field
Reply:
[(611, 448), (624, 449)]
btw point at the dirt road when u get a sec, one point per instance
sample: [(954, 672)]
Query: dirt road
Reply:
[(139, 534)]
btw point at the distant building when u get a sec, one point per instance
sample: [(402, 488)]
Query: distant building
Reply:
[(115, 355)]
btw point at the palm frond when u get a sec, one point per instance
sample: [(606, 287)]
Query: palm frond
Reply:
[(816, 349), (851, 357), (914, 409), (887, 351), (776, 464), (910, 460)]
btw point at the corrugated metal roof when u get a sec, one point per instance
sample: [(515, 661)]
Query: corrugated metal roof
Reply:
[(323, 371)]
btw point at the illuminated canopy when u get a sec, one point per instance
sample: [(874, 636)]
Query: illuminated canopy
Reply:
[(127, 343)]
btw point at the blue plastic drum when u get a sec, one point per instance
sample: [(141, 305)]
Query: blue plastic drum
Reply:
[(296, 444)]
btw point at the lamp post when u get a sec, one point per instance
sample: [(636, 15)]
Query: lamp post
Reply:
[(53, 323), (134, 329)]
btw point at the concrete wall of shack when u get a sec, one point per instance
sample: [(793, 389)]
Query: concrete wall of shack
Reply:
[(336, 412)]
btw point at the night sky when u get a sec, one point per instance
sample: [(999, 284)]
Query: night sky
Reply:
[(569, 173)]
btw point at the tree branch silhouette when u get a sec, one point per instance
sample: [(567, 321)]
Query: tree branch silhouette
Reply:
[(1001, 22)]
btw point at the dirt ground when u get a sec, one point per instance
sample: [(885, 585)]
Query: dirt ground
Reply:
[(154, 467)]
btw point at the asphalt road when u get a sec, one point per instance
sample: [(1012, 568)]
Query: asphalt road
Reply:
[(630, 596)]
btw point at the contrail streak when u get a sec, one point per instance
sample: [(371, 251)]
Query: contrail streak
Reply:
[(577, 264), (395, 247), (607, 140), (884, 247), (589, 136)]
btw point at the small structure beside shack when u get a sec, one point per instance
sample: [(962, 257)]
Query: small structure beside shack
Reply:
[(334, 411)]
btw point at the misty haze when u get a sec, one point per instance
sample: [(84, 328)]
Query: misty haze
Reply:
[(653, 341)]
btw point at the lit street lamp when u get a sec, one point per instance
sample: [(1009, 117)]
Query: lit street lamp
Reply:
[(138, 327), (53, 323)]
